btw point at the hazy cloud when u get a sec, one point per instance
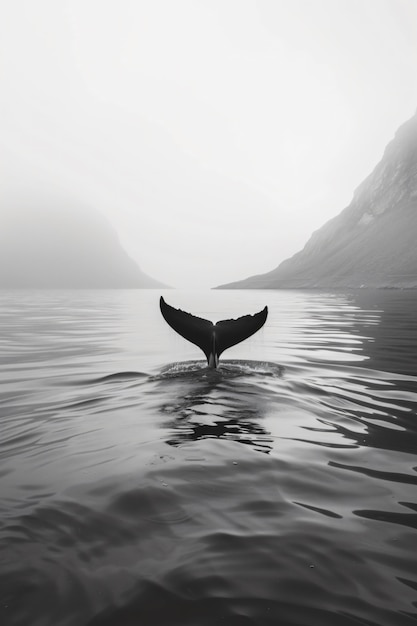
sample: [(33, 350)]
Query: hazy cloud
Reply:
[(215, 135)]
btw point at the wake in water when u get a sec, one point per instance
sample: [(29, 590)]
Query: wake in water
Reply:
[(226, 369), (192, 370)]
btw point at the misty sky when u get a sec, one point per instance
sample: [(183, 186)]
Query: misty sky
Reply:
[(215, 134)]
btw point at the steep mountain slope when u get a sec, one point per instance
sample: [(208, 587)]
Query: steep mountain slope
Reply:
[(371, 243), (53, 245)]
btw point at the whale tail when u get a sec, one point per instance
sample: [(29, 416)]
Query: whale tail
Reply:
[(213, 339)]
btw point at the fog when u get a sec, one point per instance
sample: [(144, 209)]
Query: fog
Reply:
[(48, 242), (214, 135)]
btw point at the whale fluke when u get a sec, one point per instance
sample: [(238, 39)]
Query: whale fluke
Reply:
[(213, 339)]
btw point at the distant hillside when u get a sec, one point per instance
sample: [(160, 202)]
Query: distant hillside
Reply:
[(51, 245), (371, 243)]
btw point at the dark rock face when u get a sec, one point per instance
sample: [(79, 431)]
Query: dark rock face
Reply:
[(48, 247), (371, 243)]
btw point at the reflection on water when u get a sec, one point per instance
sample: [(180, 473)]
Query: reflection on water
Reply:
[(225, 403), (128, 497)]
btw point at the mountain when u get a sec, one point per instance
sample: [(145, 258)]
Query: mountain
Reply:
[(372, 242), (49, 244)]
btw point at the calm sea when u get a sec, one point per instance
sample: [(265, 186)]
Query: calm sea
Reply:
[(138, 488)]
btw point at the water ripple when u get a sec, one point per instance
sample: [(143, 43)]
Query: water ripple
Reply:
[(278, 489)]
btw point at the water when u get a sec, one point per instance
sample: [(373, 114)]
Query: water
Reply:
[(138, 488)]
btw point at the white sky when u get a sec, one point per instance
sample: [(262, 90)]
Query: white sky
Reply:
[(215, 134)]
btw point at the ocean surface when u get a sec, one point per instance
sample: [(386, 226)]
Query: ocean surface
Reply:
[(139, 488)]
